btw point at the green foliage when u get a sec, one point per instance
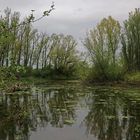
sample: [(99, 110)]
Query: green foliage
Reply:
[(23, 49), (102, 44), (63, 58), (82, 70), (110, 73), (133, 76), (10, 73), (131, 41), (40, 73), (6, 73), (17, 69)]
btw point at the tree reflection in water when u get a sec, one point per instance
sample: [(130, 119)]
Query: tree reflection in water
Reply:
[(113, 116), (21, 114)]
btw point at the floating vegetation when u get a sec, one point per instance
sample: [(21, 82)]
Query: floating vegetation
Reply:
[(110, 117), (69, 122)]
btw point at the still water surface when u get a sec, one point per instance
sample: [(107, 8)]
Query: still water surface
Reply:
[(70, 112)]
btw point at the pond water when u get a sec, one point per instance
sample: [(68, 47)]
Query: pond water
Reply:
[(70, 112)]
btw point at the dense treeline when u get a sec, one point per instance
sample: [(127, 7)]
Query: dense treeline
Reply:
[(113, 50), (25, 46)]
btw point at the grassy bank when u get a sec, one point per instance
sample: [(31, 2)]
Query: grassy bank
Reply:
[(129, 80), (11, 82), (133, 77)]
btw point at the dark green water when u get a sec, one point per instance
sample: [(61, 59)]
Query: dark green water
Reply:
[(70, 112)]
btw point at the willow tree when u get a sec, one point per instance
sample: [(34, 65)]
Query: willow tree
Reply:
[(63, 56), (131, 41), (102, 44)]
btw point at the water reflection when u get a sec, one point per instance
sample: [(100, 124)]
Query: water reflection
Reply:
[(20, 114), (112, 115)]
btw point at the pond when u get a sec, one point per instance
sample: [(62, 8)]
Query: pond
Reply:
[(70, 112)]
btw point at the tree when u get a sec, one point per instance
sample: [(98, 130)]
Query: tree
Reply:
[(16, 36), (102, 44), (131, 41), (63, 56)]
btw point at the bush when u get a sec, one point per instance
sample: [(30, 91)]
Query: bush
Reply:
[(108, 73), (133, 76)]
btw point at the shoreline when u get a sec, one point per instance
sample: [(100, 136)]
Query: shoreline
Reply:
[(25, 83)]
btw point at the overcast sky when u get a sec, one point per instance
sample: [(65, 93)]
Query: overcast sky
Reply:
[(73, 17)]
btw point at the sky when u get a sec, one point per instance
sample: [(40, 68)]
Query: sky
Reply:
[(74, 17)]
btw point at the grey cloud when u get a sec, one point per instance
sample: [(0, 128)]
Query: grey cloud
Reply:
[(76, 27), (73, 17)]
